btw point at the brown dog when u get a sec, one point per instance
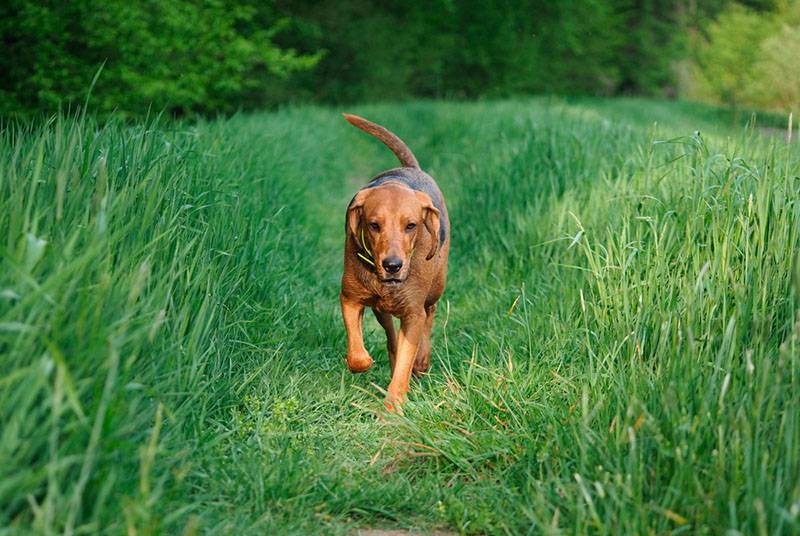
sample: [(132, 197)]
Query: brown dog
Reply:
[(395, 261)]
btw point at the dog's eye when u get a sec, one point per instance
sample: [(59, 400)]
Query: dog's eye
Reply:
[(411, 226), (374, 226)]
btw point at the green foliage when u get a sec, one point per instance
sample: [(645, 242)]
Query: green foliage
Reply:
[(206, 57), (653, 34), (776, 78), (184, 56), (617, 349), (727, 60), (748, 58), (377, 50)]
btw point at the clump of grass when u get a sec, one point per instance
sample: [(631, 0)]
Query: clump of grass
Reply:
[(616, 352)]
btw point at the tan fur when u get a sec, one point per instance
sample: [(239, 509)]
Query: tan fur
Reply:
[(391, 207)]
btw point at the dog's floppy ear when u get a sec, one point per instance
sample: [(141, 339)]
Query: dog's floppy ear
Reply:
[(354, 217), (431, 219)]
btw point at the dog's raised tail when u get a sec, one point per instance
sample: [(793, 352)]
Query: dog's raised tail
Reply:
[(398, 147)]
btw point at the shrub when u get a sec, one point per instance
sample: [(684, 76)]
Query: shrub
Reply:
[(748, 58)]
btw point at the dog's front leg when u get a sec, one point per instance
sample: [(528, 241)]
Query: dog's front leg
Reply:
[(358, 360), (411, 326)]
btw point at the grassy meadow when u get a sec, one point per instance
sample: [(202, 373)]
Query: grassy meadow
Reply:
[(618, 349)]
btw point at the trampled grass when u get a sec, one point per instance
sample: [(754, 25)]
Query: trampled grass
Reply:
[(617, 350)]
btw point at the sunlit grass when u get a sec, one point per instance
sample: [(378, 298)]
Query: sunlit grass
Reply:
[(616, 350)]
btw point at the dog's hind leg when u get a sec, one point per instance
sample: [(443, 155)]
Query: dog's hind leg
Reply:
[(423, 360), (385, 320), (358, 359)]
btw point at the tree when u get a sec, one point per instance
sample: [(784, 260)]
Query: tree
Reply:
[(181, 55)]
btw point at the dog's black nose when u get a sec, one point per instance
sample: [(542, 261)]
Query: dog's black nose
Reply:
[(392, 264)]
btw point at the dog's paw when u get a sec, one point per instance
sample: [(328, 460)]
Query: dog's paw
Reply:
[(359, 363), (394, 402), (421, 364)]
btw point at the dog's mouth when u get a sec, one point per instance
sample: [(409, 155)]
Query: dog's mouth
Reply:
[(392, 281)]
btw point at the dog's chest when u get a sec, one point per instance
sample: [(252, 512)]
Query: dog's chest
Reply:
[(392, 301)]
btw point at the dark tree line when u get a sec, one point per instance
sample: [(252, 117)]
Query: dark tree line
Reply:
[(192, 56)]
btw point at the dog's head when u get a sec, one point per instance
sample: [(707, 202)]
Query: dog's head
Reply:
[(391, 219)]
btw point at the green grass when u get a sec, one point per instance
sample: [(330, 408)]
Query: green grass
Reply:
[(617, 350)]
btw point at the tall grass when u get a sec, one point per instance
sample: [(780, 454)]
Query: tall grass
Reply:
[(617, 350)]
